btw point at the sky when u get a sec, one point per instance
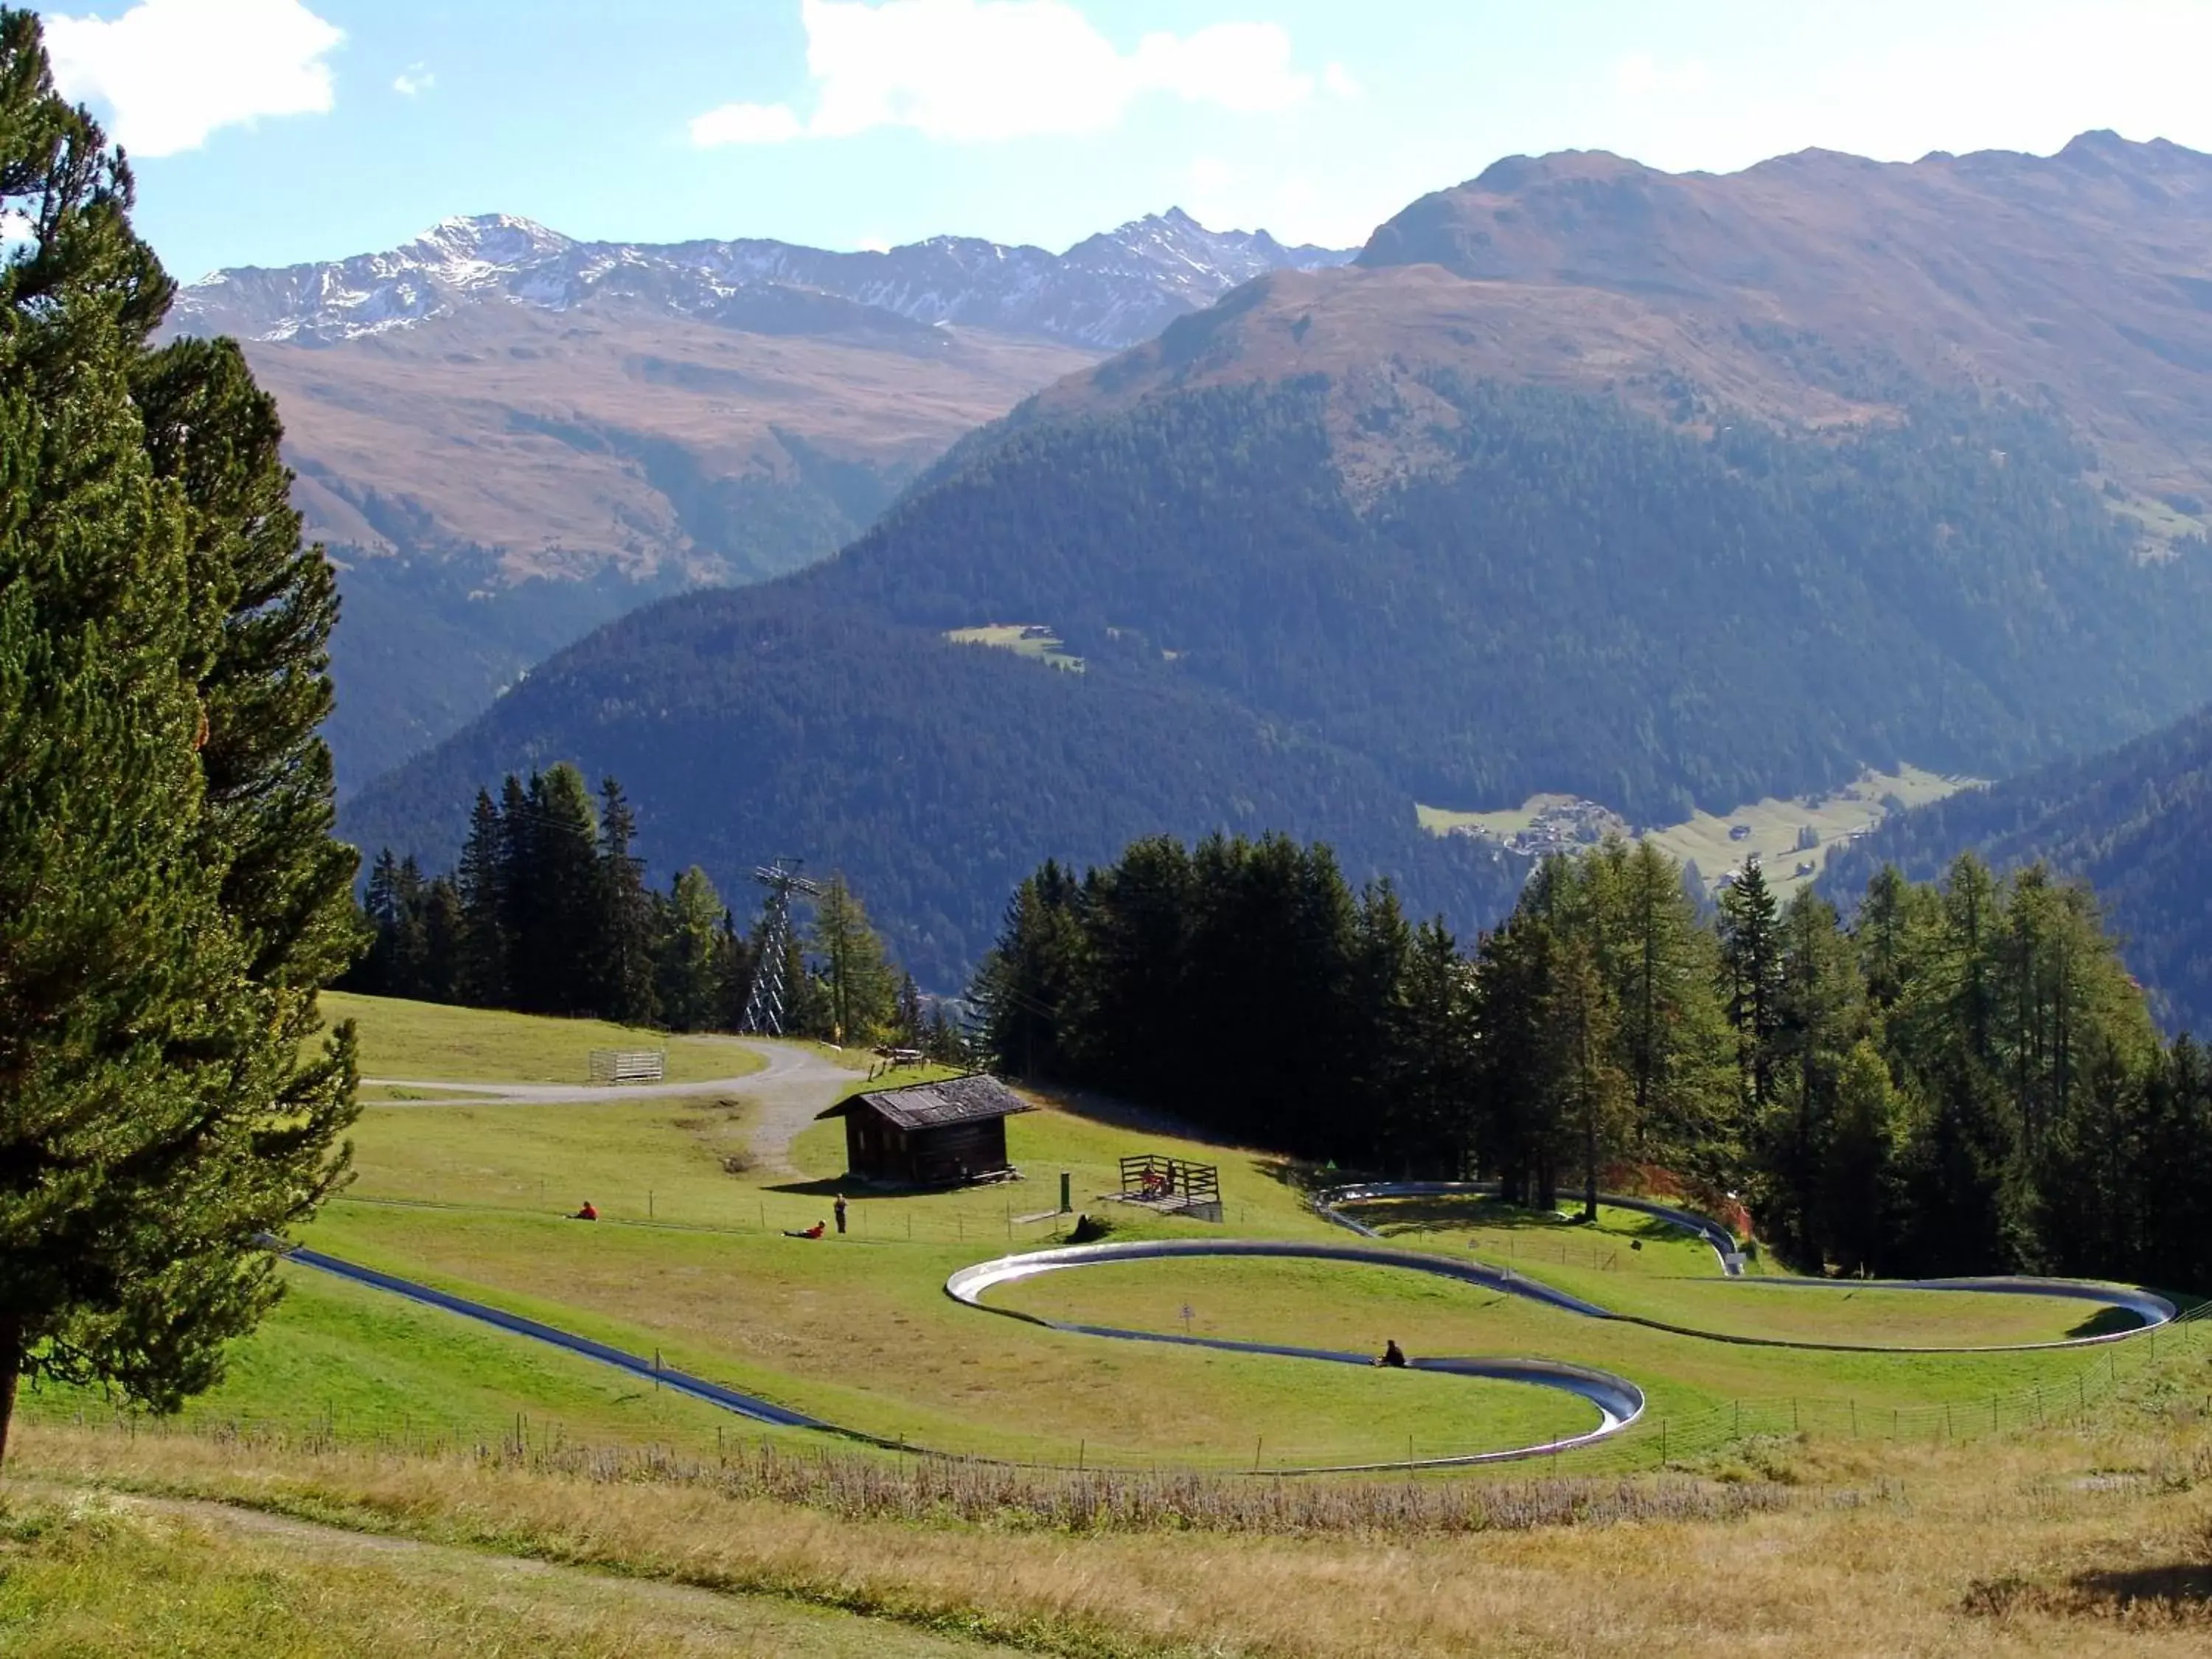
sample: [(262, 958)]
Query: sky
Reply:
[(273, 132)]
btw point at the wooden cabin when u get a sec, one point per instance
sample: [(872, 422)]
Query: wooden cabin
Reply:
[(928, 1134)]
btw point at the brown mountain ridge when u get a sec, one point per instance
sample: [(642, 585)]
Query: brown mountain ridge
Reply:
[(1814, 288)]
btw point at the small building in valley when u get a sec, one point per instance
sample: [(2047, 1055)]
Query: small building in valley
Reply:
[(929, 1135)]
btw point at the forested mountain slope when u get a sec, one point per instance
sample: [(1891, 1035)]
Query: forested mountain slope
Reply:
[(1657, 540), (507, 435), (1573, 595), (765, 721), (2135, 821)]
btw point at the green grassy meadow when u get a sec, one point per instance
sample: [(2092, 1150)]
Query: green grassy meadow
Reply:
[(690, 1261), (439, 1044), (1618, 1241)]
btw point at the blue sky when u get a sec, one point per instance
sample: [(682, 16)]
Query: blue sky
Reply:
[(268, 131)]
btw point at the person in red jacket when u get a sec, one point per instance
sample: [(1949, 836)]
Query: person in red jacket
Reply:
[(587, 1213)]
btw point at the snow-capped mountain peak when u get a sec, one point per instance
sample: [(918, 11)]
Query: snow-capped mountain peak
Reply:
[(1107, 291)]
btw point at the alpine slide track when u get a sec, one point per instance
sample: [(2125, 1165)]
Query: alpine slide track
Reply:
[(1618, 1401)]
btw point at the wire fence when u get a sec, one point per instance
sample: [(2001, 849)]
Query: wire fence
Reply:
[(1660, 1439), (919, 1487), (1013, 1213)]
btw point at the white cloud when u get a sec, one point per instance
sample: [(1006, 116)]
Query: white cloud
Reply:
[(745, 124), (172, 71), (415, 79), (1340, 83), (972, 72)]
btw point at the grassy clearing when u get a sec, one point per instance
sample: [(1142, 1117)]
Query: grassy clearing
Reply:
[(1031, 639), (1834, 817), (90, 1573), (860, 1334), (1637, 1265), (429, 1040), (1340, 1305), (1533, 1240), (2083, 1542), (1772, 824), (686, 1161)]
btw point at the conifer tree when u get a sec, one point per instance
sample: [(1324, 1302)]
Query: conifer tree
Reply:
[(170, 898), (1820, 1017), (557, 895), (1026, 985), (1579, 1022), (479, 976), (693, 926), (860, 991), (1660, 965), (1517, 1108), (1751, 974), (624, 946)]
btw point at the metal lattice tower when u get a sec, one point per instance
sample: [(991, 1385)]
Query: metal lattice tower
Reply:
[(764, 1007)]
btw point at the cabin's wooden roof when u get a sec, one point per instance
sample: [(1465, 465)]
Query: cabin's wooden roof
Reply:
[(971, 1099)]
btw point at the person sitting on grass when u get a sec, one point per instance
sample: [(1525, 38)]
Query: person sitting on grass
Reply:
[(587, 1213), (815, 1231), (1393, 1355)]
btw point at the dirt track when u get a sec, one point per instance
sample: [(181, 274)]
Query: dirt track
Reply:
[(796, 1084)]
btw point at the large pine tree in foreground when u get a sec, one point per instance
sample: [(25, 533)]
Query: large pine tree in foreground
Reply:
[(170, 895)]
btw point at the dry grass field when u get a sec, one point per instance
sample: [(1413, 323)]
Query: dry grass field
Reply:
[(2067, 1540)]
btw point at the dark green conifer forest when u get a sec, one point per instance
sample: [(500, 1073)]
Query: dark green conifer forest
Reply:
[(548, 912), (1964, 1080)]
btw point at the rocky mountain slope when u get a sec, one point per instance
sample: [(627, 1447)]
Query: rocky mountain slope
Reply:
[(1653, 509), (507, 435)]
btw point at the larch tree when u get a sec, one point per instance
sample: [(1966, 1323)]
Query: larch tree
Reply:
[(694, 922), (860, 989), (170, 895)]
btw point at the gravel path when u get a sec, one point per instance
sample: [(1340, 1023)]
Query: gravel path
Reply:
[(796, 1084)]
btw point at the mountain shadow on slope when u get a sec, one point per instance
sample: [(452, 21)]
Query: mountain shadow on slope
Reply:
[(2134, 822), (753, 723)]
